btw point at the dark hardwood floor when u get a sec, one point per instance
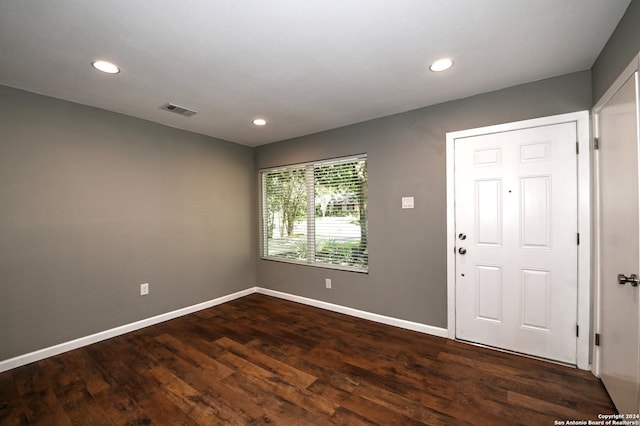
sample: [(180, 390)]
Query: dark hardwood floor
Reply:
[(261, 360)]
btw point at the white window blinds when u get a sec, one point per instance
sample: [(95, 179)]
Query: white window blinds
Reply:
[(316, 213)]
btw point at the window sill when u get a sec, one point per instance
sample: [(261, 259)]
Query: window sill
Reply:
[(317, 265)]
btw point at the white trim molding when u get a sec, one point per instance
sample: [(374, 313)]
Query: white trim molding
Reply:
[(409, 325), (584, 313), (38, 355), (127, 328)]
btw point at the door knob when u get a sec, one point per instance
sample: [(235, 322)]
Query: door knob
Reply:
[(463, 250), (631, 279)]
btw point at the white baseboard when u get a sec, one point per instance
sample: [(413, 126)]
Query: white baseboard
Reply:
[(107, 334), (117, 331), (409, 325)]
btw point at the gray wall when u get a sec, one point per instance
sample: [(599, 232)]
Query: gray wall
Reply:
[(406, 154), (622, 46), (93, 203)]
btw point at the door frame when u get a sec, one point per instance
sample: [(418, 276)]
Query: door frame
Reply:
[(581, 119), (633, 66)]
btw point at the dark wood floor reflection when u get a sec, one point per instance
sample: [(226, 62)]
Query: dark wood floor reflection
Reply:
[(261, 360)]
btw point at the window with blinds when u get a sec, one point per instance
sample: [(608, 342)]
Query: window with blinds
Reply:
[(316, 213)]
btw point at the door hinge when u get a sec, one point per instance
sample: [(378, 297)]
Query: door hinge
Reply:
[(577, 330), (578, 238), (577, 147), (597, 339), (596, 143)]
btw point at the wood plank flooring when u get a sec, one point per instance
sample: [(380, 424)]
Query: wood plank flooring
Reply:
[(262, 360)]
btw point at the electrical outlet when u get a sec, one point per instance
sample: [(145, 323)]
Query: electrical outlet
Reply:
[(407, 202), (327, 282), (144, 289)]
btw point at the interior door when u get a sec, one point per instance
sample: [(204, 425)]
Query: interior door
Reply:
[(516, 227), (619, 252)]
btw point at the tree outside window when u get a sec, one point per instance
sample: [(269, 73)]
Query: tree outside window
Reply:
[(317, 213)]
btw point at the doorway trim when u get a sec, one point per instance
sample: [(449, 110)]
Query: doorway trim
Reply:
[(633, 66), (581, 119)]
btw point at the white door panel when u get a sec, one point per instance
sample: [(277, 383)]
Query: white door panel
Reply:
[(617, 162), (516, 204)]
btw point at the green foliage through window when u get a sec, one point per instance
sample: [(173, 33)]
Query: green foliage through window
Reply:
[(317, 213)]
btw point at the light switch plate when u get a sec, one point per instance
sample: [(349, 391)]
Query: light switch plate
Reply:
[(407, 202)]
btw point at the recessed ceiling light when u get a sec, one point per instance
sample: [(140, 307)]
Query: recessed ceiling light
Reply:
[(441, 65), (105, 66), (260, 122)]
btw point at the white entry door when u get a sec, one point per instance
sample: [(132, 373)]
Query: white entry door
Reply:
[(619, 251), (516, 214)]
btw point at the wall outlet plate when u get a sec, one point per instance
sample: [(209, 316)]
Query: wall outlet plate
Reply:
[(327, 282), (144, 289), (407, 202)]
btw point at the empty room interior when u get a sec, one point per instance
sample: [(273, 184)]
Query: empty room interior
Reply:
[(319, 212)]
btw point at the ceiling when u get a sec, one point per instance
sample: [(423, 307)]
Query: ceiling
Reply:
[(303, 65)]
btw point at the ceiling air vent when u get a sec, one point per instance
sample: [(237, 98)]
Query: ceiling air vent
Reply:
[(177, 109)]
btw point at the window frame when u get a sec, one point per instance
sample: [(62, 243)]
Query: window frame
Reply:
[(310, 214)]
